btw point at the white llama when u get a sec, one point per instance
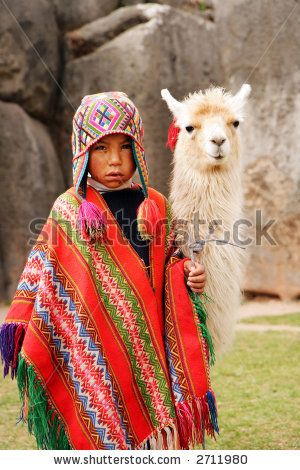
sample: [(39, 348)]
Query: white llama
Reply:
[(206, 184)]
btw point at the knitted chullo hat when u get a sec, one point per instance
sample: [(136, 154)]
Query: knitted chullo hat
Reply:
[(99, 115)]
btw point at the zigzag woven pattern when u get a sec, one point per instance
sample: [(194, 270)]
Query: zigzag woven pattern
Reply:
[(30, 277), (87, 369)]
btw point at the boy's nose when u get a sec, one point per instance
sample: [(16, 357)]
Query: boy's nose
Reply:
[(115, 158)]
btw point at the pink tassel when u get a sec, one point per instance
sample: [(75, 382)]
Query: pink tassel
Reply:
[(185, 423), (197, 418), (148, 217), (91, 221)]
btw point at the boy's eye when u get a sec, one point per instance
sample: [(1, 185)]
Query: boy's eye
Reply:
[(126, 146), (100, 147)]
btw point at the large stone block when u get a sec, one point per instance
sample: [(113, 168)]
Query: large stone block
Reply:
[(29, 49), (31, 179), (72, 14)]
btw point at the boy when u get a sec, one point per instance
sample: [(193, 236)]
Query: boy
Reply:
[(98, 367)]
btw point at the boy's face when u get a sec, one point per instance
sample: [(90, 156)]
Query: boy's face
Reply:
[(111, 161)]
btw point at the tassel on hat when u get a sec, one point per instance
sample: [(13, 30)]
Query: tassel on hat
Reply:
[(148, 215), (91, 222)]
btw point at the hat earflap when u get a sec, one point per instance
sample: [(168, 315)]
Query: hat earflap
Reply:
[(148, 213), (91, 221)]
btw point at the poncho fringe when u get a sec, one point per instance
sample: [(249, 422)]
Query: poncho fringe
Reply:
[(195, 416), (42, 418)]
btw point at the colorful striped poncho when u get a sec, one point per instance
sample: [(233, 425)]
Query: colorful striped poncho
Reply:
[(106, 357)]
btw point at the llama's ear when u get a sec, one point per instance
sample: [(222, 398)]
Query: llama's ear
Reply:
[(239, 100), (176, 107)]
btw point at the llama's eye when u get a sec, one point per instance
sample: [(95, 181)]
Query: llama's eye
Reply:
[(189, 128), (236, 123)]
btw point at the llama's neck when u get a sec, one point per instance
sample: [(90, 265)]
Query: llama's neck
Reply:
[(213, 195)]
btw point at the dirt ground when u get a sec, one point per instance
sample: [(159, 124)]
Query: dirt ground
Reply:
[(265, 306)]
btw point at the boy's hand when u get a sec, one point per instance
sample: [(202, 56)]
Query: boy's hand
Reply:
[(195, 276)]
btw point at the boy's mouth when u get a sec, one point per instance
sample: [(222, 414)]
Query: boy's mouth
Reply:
[(114, 173)]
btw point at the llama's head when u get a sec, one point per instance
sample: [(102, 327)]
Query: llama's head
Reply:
[(208, 126)]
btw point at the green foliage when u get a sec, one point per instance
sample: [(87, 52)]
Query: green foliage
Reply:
[(202, 6)]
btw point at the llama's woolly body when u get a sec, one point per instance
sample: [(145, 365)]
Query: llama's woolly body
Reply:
[(216, 199), (213, 191)]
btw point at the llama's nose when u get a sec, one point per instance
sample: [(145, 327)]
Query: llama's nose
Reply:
[(218, 140)]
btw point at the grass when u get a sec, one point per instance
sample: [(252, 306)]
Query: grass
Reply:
[(257, 390), (12, 436), (291, 319)]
